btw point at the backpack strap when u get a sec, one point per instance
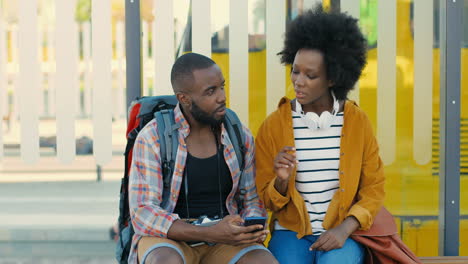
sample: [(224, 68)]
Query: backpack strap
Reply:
[(234, 128), (169, 141)]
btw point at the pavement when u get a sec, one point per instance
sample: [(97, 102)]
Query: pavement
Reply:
[(58, 222), (58, 213), (82, 260)]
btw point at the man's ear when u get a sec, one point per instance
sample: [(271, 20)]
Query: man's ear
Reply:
[(183, 98)]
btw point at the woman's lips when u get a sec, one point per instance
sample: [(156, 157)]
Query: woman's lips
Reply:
[(300, 95)]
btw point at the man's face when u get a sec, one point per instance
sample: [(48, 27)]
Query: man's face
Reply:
[(208, 96)]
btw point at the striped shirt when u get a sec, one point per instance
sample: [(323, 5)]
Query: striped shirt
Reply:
[(318, 152), (146, 181)]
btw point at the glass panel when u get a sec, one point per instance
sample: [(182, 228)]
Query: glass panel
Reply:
[(412, 187), (463, 250)]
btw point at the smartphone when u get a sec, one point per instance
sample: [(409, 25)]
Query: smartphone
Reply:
[(259, 220)]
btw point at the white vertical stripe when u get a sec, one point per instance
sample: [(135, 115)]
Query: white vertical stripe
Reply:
[(239, 59), (51, 95), (66, 81), (275, 72), (51, 80), (308, 4), (352, 7), (3, 94), (15, 69), (144, 55), (14, 42), (42, 31), (51, 74), (28, 86), (386, 92), (3, 69), (88, 73), (78, 69), (422, 100), (102, 58), (201, 27), (164, 51), (120, 45)]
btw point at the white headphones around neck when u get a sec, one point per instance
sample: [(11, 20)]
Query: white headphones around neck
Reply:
[(314, 121)]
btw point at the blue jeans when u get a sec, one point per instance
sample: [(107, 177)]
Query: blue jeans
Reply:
[(289, 250)]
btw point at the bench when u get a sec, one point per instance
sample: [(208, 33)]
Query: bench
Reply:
[(444, 260)]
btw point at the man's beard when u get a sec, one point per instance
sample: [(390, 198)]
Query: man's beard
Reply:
[(204, 117)]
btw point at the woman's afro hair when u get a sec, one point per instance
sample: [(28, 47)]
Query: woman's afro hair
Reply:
[(338, 37)]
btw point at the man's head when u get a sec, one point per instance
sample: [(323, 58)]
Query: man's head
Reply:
[(199, 86)]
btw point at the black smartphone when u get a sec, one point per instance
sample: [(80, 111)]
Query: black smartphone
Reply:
[(259, 220)]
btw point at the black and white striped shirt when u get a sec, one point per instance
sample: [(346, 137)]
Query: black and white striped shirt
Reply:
[(317, 177)]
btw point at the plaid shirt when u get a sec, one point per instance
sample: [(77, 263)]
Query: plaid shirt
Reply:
[(146, 181)]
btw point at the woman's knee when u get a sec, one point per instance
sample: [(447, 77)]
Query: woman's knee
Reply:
[(163, 255), (258, 256), (351, 253)]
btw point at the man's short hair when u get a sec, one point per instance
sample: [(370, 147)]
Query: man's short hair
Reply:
[(183, 68)]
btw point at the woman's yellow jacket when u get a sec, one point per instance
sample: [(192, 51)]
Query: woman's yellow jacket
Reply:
[(361, 187)]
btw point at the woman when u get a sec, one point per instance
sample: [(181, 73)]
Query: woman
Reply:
[(318, 164)]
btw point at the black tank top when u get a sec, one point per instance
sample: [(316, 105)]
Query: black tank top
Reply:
[(204, 187)]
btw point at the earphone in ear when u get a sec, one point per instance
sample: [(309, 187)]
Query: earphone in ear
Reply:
[(314, 121)]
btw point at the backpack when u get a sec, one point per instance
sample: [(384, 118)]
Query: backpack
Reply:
[(141, 111)]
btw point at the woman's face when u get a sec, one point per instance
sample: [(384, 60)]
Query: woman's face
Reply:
[(309, 77)]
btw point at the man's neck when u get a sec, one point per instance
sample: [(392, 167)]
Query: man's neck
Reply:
[(202, 140)]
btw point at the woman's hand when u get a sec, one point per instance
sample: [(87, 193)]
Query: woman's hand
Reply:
[(336, 237), (284, 164)]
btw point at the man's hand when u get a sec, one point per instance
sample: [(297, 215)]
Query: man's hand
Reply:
[(231, 231), (336, 237), (284, 164)]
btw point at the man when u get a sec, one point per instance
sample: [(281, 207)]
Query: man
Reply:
[(205, 180)]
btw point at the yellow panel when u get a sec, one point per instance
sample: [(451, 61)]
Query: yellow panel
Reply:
[(222, 59), (464, 152), (421, 237), (398, 224), (463, 238), (289, 86), (464, 84), (257, 89)]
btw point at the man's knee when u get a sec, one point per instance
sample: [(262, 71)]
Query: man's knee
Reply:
[(163, 255), (258, 256)]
